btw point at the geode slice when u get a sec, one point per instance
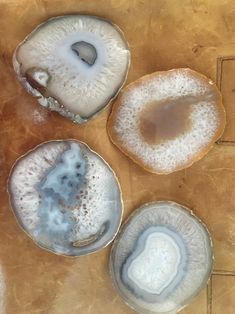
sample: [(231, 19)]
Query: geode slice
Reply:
[(161, 258), (167, 120), (73, 64), (66, 197)]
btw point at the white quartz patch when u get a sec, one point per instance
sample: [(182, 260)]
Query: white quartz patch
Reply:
[(155, 268)]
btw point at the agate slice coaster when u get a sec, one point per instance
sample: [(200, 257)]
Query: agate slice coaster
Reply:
[(73, 64), (66, 197), (167, 120), (161, 258)]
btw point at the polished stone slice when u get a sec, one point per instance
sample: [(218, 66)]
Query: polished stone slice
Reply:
[(73, 64), (161, 258), (66, 197), (167, 120)]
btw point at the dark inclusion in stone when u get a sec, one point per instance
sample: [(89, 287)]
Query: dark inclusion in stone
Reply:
[(85, 51), (161, 258), (66, 197)]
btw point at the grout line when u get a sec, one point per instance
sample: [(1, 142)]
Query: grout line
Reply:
[(219, 69), (223, 273), (219, 79), (209, 296), (219, 72), (227, 143)]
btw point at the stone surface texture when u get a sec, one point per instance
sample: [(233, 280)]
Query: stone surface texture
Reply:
[(162, 34)]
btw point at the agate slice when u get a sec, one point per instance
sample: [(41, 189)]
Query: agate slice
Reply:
[(166, 121), (161, 258), (73, 64), (66, 197)]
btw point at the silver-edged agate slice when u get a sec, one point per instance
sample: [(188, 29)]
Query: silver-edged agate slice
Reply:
[(66, 197), (73, 64), (161, 258)]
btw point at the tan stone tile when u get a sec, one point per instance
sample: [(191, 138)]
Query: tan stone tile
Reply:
[(226, 67), (223, 292), (213, 199), (198, 305)]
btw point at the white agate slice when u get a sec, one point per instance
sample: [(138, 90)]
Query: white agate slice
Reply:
[(73, 64)]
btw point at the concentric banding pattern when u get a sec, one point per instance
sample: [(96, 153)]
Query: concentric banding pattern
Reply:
[(181, 88), (84, 59), (66, 197), (161, 258)]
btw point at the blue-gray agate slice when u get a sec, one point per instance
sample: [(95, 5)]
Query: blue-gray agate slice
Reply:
[(66, 197), (161, 258)]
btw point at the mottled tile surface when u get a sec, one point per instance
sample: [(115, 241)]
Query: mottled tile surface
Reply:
[(162, 34), (223, 293), (198, 306), (226, 83)]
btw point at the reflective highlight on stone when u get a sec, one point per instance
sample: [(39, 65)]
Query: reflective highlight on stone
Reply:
[(161, 258), (66, 197)]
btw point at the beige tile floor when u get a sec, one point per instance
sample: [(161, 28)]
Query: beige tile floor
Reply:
[(162, 34), (223, 292)]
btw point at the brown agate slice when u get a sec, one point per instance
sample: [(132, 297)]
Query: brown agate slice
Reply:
[(166, 121)]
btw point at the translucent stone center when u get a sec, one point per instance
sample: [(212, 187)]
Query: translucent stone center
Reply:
[(85, 51), (156, 266), (165, 120)]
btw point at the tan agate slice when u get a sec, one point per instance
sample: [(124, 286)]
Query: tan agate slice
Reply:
[(167, 120)]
